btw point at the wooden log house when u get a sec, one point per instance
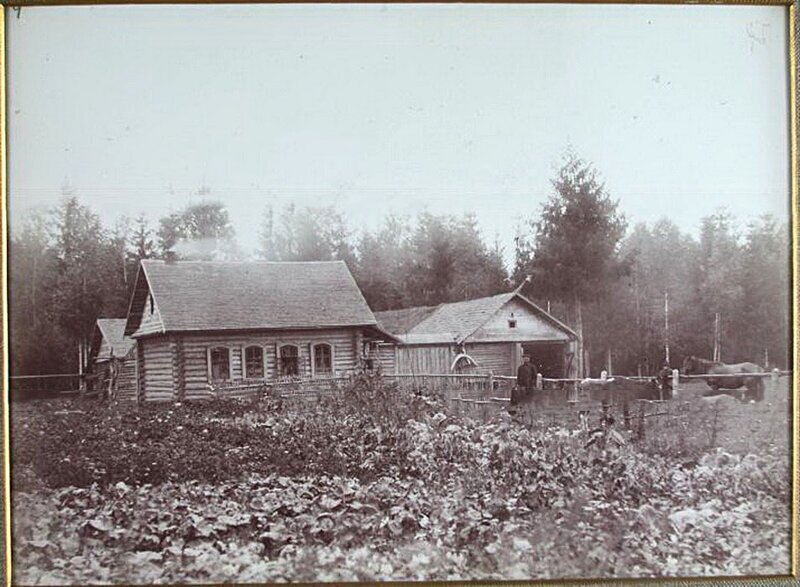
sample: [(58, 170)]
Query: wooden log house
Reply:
[(494, 332), (112, 357), (203, 326)]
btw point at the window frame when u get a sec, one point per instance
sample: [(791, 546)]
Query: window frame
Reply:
[(260, 348), (314, 346), (279, 357), (209, 365)]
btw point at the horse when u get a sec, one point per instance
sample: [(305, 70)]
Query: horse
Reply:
[(755, 385)]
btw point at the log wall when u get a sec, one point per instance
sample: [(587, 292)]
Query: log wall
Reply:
[(177, 366), (159, 384), (126, 379), (386, 358)]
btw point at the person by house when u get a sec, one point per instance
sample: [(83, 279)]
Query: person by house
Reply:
[(526, 380)]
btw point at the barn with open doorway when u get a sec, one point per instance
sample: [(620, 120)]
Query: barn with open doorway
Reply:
[(480, 335)]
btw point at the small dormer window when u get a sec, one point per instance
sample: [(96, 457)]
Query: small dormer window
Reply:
[(512, 322)]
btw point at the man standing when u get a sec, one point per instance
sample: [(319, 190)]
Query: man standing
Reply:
[(526, 377), (664, 379)]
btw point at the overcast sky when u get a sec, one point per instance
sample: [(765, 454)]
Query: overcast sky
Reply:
[(456, 108)]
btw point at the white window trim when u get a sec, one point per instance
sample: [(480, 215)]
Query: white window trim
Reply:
[(278, 348), (263, 360), (314, 346), (208, 362)]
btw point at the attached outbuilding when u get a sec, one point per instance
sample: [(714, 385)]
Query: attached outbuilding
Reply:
[(113, 359), (203, 326), (482, 335)]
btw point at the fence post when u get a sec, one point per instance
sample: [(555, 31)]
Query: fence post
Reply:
[(775, 379), (604, 375), (539, 381), (490, 380), (676, 382)]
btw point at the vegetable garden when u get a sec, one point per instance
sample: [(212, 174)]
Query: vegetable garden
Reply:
[(376, 483)]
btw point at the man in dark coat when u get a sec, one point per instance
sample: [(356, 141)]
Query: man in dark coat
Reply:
[(664, 379), (526, 380), (526, 374)]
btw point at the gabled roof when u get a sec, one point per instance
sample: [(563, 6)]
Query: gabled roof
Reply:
[(456, 321), (112, 330), (216, 296)]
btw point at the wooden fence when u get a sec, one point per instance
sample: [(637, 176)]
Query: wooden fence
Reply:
[(37, 386), (479, 395), (561, 400)]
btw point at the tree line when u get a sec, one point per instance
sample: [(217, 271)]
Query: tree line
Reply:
[(631, 291)]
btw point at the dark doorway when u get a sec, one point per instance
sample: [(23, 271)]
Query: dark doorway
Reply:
[(547, 356)]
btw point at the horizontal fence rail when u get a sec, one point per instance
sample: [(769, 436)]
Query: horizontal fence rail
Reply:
[(28, 386), (466, 389)]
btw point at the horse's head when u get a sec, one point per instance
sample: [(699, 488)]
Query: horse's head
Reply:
[(688, 365)]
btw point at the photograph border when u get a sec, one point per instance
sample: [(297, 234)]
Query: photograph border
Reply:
[(792, 36)]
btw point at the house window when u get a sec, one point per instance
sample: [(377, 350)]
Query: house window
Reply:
[(512, 322), (220, 363), (254, 362), (150, 300), (323, 359), (289, 360)]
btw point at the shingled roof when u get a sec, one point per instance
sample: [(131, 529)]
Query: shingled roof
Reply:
[(453, 322), (113, 331), (401, 321), (203, 295)]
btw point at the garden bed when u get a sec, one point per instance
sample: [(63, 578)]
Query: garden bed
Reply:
[(377, 484)]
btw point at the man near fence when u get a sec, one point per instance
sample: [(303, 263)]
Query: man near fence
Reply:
[(526, 381), (664, 379)]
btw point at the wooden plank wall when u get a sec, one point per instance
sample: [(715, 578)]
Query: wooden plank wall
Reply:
[(424, 359), (529, 326), (496, 357), (151, 322)]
